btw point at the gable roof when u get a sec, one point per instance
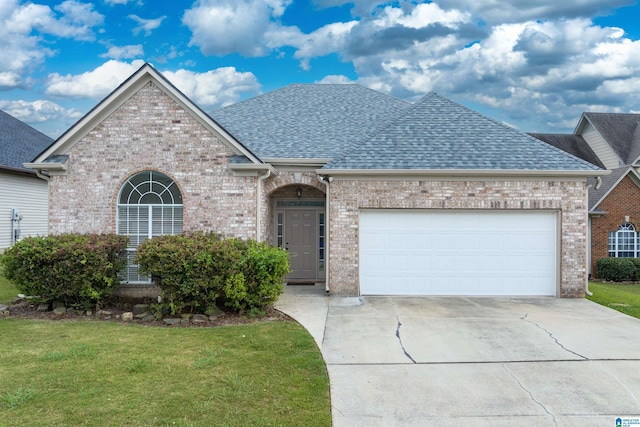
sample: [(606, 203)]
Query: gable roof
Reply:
[(439, 134), (119, 96), (572, 144), (621, 131), (309, 121), (607, 184), (19, 143)]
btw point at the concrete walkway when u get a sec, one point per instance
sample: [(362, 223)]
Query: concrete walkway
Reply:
[(472, 361)]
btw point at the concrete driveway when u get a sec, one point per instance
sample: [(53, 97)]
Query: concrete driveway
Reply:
[(416, 361)]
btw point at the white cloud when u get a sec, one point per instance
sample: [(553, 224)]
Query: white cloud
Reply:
[(38, 111), (94, 84), (146, 25), (214, 88), (222, 27), (24, 28), (124, 52), (114, 2), (335, 79)]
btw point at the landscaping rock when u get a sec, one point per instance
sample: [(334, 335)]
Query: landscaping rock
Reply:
[(148, 318), (184, 321), (141, 315), (172, 321), (214, 312), (127, 317), (88, 313), (199, 318), (140, 309), (59, 311), (5, 313), (186, 316), (104, 313), (58, 304), (3, 307), (17, 300), (44, 307)]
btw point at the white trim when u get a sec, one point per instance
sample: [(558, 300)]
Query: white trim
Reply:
[(604, 196), (467, 173), (118, 97)]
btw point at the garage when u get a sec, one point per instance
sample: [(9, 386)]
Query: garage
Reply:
[(435, 252)]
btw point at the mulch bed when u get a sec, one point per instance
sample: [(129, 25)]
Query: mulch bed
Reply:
[(28, 310)]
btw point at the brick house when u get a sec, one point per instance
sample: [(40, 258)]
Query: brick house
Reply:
[(23, 195), (611, 141), (370, 194)]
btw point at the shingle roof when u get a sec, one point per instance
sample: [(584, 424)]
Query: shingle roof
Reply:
[(572, 144), (437, 133), (608, 182), (621, 131), (308, 121), (19, 142)]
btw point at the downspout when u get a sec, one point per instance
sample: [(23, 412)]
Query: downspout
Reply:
[(40, 175), (258, 194), (597, 186), (326, 181)]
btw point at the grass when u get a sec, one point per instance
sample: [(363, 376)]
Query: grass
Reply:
[(7, 290), (619, 296), (89, 373)]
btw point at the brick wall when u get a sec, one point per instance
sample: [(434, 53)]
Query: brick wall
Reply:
[(151, 131), (623, 200), (349, 196)]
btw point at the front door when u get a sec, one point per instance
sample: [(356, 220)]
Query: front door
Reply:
[(300, 240)]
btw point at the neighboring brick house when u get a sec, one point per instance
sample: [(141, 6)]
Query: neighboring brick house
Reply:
[(611, 141), (23, 195), (369, 194)]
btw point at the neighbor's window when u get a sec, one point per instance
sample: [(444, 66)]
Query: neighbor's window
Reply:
[(149, 204), (624, 242)]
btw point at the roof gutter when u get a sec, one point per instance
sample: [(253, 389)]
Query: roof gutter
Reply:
[(464, 172)]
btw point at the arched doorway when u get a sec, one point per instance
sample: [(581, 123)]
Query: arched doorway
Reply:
[(300, 227)]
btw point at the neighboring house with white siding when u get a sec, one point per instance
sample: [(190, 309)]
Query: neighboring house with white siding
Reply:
[(24, 197)]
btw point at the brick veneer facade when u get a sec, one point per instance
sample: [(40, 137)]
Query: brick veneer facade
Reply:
[(623, 200), (349, 196), (152, 132)]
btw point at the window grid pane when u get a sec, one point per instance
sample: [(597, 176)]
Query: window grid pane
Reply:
[(147, 209)]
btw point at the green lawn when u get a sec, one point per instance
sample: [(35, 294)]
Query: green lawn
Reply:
[(622, 297), (92, 373), (7, 291)]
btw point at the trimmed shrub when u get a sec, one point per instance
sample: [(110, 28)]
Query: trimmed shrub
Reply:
[(616, 269), (199, 271), (80, 270)]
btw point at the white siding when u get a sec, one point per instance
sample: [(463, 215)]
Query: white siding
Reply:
[(29, 194), (600, 146)]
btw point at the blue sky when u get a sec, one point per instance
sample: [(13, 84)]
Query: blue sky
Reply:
[(536, 65)]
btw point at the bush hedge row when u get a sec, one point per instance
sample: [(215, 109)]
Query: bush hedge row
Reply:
[(80, 270), (619, 269), (199, 271)]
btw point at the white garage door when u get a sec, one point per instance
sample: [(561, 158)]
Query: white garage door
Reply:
[(429, 252)]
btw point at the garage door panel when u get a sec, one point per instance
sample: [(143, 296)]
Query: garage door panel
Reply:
[(458, 252)]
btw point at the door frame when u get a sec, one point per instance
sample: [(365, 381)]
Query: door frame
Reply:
[(280, 206)]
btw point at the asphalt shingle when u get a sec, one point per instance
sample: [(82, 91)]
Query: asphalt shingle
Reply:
[(572, 144), (621, 131), (19, 142), (437, 133), (308, 120)]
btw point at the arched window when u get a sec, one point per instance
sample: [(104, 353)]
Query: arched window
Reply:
[(149, 204), (624, 242)]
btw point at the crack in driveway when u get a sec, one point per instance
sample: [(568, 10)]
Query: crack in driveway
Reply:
[(553, 417), (552, 337), (400, 340)]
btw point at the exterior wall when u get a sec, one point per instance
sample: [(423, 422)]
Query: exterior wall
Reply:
[(601, 147), (29, 194), (151, 131), (349, 196), (623, 200), (275, 186)]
